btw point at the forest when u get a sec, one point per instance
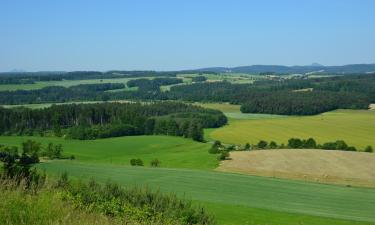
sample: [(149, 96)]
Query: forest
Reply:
[(296, 96), (17, 77), (102, 120), (152, 85)]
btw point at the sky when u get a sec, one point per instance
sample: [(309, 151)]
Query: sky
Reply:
[(52, 35)]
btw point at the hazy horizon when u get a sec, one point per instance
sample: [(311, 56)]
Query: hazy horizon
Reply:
[(167, 35)]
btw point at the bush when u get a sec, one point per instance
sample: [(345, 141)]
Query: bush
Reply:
[(309, 143), (368, 149), (216, 146), (223, 155), (136, 162), (155, 163), (273, 145), (295, 143), (231, 148), (262, 144), (247, 146)]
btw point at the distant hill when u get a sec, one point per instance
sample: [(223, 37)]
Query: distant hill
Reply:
[(313, 68)]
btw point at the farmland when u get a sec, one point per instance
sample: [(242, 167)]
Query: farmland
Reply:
[(238, 199), (356, 127), (340, 167)]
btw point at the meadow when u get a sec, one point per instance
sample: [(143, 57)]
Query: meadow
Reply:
[(241, 199), (356, 127), (187, 169), (173, 152)]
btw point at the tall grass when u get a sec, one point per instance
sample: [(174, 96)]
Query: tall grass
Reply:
[(67, 202)]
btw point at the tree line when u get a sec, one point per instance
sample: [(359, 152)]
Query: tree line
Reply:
[(81, 92), (286, 96), (293, 143), (16, 77), (102, 120)]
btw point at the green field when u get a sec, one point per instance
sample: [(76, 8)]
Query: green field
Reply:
[(356, 127), (187, 171), (173, 152), (240, 198), (187, 168)]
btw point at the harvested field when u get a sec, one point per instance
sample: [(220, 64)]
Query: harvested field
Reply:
[(337, 167)]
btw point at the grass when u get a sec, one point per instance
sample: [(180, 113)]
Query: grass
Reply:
[(356, 127), (173, 152), (238, 198), (45, 208)]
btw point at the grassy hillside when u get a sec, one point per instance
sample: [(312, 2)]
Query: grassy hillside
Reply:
[(173, 152), (341, 167), (237, 199), (356, 127)]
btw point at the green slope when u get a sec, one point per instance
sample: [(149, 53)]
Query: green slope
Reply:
[(241, 191), (173, 152)]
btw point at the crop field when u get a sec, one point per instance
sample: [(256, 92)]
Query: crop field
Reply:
[(356, 127), (340, 167), (238, 199), (173, 152)]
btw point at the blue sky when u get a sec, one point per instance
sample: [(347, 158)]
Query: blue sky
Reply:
[(182, 34)]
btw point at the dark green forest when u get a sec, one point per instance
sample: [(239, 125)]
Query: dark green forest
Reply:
[(102, 120), (296, 96)]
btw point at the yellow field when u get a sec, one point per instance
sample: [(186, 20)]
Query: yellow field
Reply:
[(356, 127), (339, 167)]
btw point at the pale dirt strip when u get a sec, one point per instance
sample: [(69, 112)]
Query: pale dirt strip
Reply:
[(323, 166)]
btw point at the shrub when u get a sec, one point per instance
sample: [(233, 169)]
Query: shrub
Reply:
[(368, 149), (273, 145), (155, 163), (136, 162), (262, 144), (295, 143), (309, 143), (231, 148), (341, 145), (247, 146), (223, 155), (215, 147)]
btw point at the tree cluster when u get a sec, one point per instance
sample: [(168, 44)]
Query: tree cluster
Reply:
[(80, 92), (309, 143), (152, 84), (102, 120)]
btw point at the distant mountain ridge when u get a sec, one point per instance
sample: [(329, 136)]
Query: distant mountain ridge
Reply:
[(313, 68)]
